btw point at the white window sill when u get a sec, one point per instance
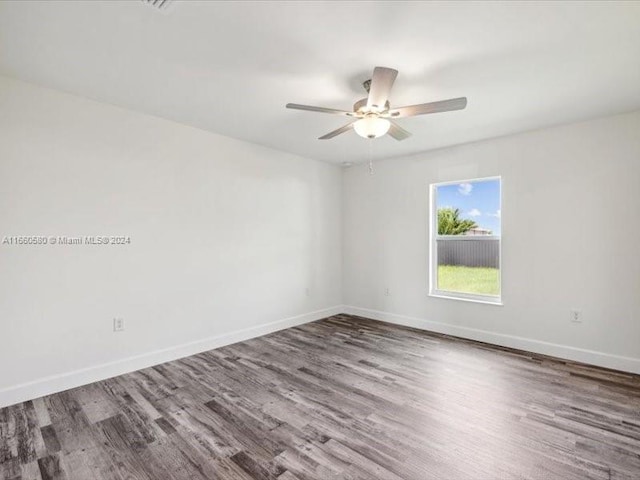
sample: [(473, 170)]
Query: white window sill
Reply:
[(465, 298)]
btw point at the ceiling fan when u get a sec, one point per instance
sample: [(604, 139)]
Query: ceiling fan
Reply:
[(373, 115)]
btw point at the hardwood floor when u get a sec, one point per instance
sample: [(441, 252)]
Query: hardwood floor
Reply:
[(341, 398)]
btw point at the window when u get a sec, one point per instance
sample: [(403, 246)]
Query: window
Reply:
[(466, 240)]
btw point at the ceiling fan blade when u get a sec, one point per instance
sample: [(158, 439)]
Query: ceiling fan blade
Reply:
[(397, 132), (433, 107), (380, 87), (310, 108), (335, 133)]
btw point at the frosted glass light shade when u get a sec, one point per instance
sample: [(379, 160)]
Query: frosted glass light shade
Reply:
[(372, 126)]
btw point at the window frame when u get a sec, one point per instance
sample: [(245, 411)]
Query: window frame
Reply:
[(433, 247)]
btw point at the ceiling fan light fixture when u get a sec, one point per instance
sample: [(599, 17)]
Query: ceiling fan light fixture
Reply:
[(370, 114), (372, 126)]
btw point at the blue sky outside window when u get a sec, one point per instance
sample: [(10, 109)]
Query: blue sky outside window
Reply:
[(478, 200)]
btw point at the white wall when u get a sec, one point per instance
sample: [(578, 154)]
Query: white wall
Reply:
[(570, 240), (226, 236)]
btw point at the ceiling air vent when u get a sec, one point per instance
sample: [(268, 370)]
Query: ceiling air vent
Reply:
[(160, 5)]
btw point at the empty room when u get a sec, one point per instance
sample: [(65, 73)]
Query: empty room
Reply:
[(319, 240)]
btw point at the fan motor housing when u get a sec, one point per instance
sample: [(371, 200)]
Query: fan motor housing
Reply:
[(361, 106)]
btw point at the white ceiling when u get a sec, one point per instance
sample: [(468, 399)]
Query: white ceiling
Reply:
[(230, 67)]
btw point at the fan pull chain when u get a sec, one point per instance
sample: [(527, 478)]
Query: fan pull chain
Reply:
[(371, 156)]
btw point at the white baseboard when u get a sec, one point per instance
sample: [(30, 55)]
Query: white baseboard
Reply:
[(64, 381), (58, 383), (600, 359)]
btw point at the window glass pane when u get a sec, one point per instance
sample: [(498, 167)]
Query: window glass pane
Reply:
[(468, 237)]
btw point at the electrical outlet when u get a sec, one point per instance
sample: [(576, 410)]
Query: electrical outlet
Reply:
[(307, 291), (387, 292), (576, 316), (118, 324)]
